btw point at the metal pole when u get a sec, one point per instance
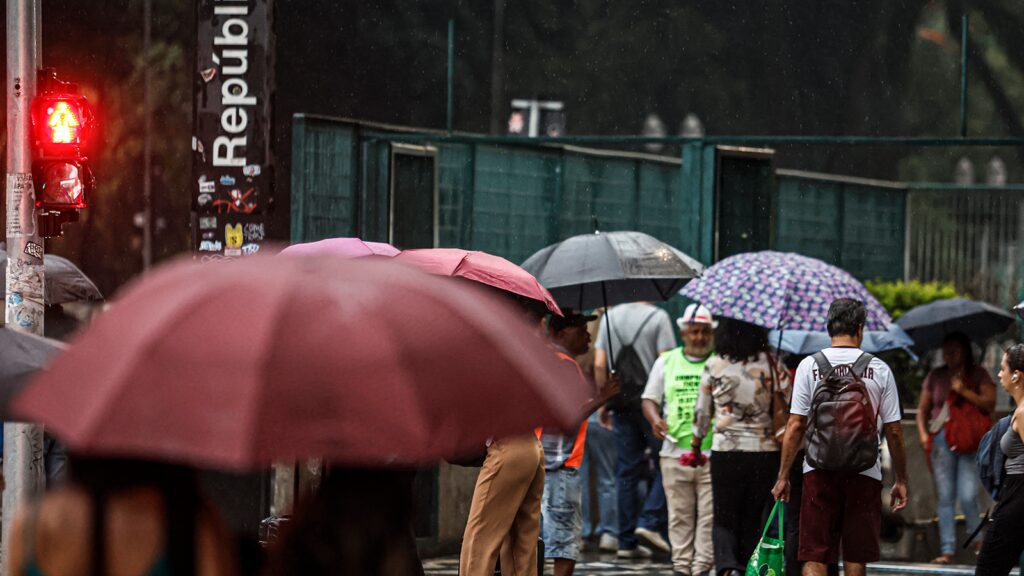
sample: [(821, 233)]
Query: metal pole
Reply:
[(963, 76), (147, 136), (23, 443), (451, 74)]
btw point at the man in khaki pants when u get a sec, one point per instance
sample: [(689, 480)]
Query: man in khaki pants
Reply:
[(668, 404), (504, 517)]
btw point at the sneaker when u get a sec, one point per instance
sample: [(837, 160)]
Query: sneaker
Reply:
[(608, 543), (640, 552), (652, 538)]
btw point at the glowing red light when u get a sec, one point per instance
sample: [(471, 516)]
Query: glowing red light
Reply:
[(62, 119)]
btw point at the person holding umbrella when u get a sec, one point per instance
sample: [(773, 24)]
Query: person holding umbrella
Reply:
[(562, 504), (625, 270), (953, 413)]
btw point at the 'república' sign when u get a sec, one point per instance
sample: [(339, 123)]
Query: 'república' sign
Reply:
[(230, 143)]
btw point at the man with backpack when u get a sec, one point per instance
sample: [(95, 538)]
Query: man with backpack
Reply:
[(839, 397), (639, 333)]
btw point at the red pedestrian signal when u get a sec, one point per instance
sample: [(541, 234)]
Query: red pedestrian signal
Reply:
[(62, 123)]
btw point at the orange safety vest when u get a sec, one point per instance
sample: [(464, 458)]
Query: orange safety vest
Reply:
[(576, 457)]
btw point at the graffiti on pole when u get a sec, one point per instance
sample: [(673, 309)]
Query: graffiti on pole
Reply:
[(232, 161)]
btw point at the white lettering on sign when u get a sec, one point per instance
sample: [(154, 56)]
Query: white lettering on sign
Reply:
[(234, 91)]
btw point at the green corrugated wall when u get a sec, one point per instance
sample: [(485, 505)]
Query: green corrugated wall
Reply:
[(858, 226), (513, 199)]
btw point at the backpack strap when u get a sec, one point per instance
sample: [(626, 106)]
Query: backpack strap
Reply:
[(636, 335), (824, 366), (861, 365)]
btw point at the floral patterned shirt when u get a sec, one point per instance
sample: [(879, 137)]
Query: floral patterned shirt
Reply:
[(737, 397)]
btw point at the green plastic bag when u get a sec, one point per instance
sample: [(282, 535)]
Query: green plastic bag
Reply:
[(768, 558)]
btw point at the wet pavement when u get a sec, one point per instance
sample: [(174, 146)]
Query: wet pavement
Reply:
[(608, 565), (592, 564)]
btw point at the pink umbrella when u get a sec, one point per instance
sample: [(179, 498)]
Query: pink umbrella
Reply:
[(480, 267), (344, 247), (360, 361)]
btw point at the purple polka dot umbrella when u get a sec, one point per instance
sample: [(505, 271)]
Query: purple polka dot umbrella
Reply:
[(781, 291)]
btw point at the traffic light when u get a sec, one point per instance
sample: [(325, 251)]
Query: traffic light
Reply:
[(62, 127)]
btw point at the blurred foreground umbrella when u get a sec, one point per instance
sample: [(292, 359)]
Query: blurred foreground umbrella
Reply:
[(929, 324), (345, 247), (480, 267), (1019, 309), (803, 343), (65, 282), (362, 362), (609, 268), (781, 291), (21, 357)]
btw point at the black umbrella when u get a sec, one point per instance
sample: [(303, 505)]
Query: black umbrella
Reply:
[(21, 356), (65, 282), (928, 324), (1019, 309), (609, 268)]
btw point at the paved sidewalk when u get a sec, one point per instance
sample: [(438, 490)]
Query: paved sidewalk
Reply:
[(610, 566), (449, 566)]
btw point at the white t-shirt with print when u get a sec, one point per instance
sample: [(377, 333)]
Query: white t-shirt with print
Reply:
[(877, 378)]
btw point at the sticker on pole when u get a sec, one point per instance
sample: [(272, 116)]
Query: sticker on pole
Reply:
[(21, 199)]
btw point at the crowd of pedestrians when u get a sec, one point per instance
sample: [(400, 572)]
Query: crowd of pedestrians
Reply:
[(689, 447), (700, 440)]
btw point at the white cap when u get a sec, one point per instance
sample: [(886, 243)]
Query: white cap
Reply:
[(695, 314)]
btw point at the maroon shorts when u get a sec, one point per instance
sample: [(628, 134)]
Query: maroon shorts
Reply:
[(840, 509)]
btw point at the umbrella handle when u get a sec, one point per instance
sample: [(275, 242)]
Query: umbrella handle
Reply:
[(608, 329)]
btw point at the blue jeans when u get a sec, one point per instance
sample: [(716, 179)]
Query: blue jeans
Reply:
[(633, 435), (560, 513), (600, 454), (956, 478)]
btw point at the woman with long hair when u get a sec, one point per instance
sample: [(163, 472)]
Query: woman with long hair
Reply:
[(743, 400), (123, 517), (962, 383)]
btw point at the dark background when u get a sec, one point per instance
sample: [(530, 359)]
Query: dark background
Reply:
[(874, 67)]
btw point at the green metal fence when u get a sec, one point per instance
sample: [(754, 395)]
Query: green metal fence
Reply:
[(855, 223), (512, 198)]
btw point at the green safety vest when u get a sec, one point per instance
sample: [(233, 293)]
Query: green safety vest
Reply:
[(682, 385)]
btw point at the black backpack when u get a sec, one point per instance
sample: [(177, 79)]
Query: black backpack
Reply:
[(842, 429), (631, 372)]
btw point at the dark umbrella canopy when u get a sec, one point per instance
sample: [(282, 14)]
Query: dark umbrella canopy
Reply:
[(65, 282), (21, 356), (609, 268), (928, 324)]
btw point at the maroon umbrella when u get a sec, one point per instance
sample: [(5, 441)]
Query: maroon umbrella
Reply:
[(480, 267), (362, 362), (345, 247)]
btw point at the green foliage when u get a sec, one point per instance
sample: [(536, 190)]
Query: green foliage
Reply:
[(898, 297)]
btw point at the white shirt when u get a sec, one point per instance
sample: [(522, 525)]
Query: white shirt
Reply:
[(879, 381)]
